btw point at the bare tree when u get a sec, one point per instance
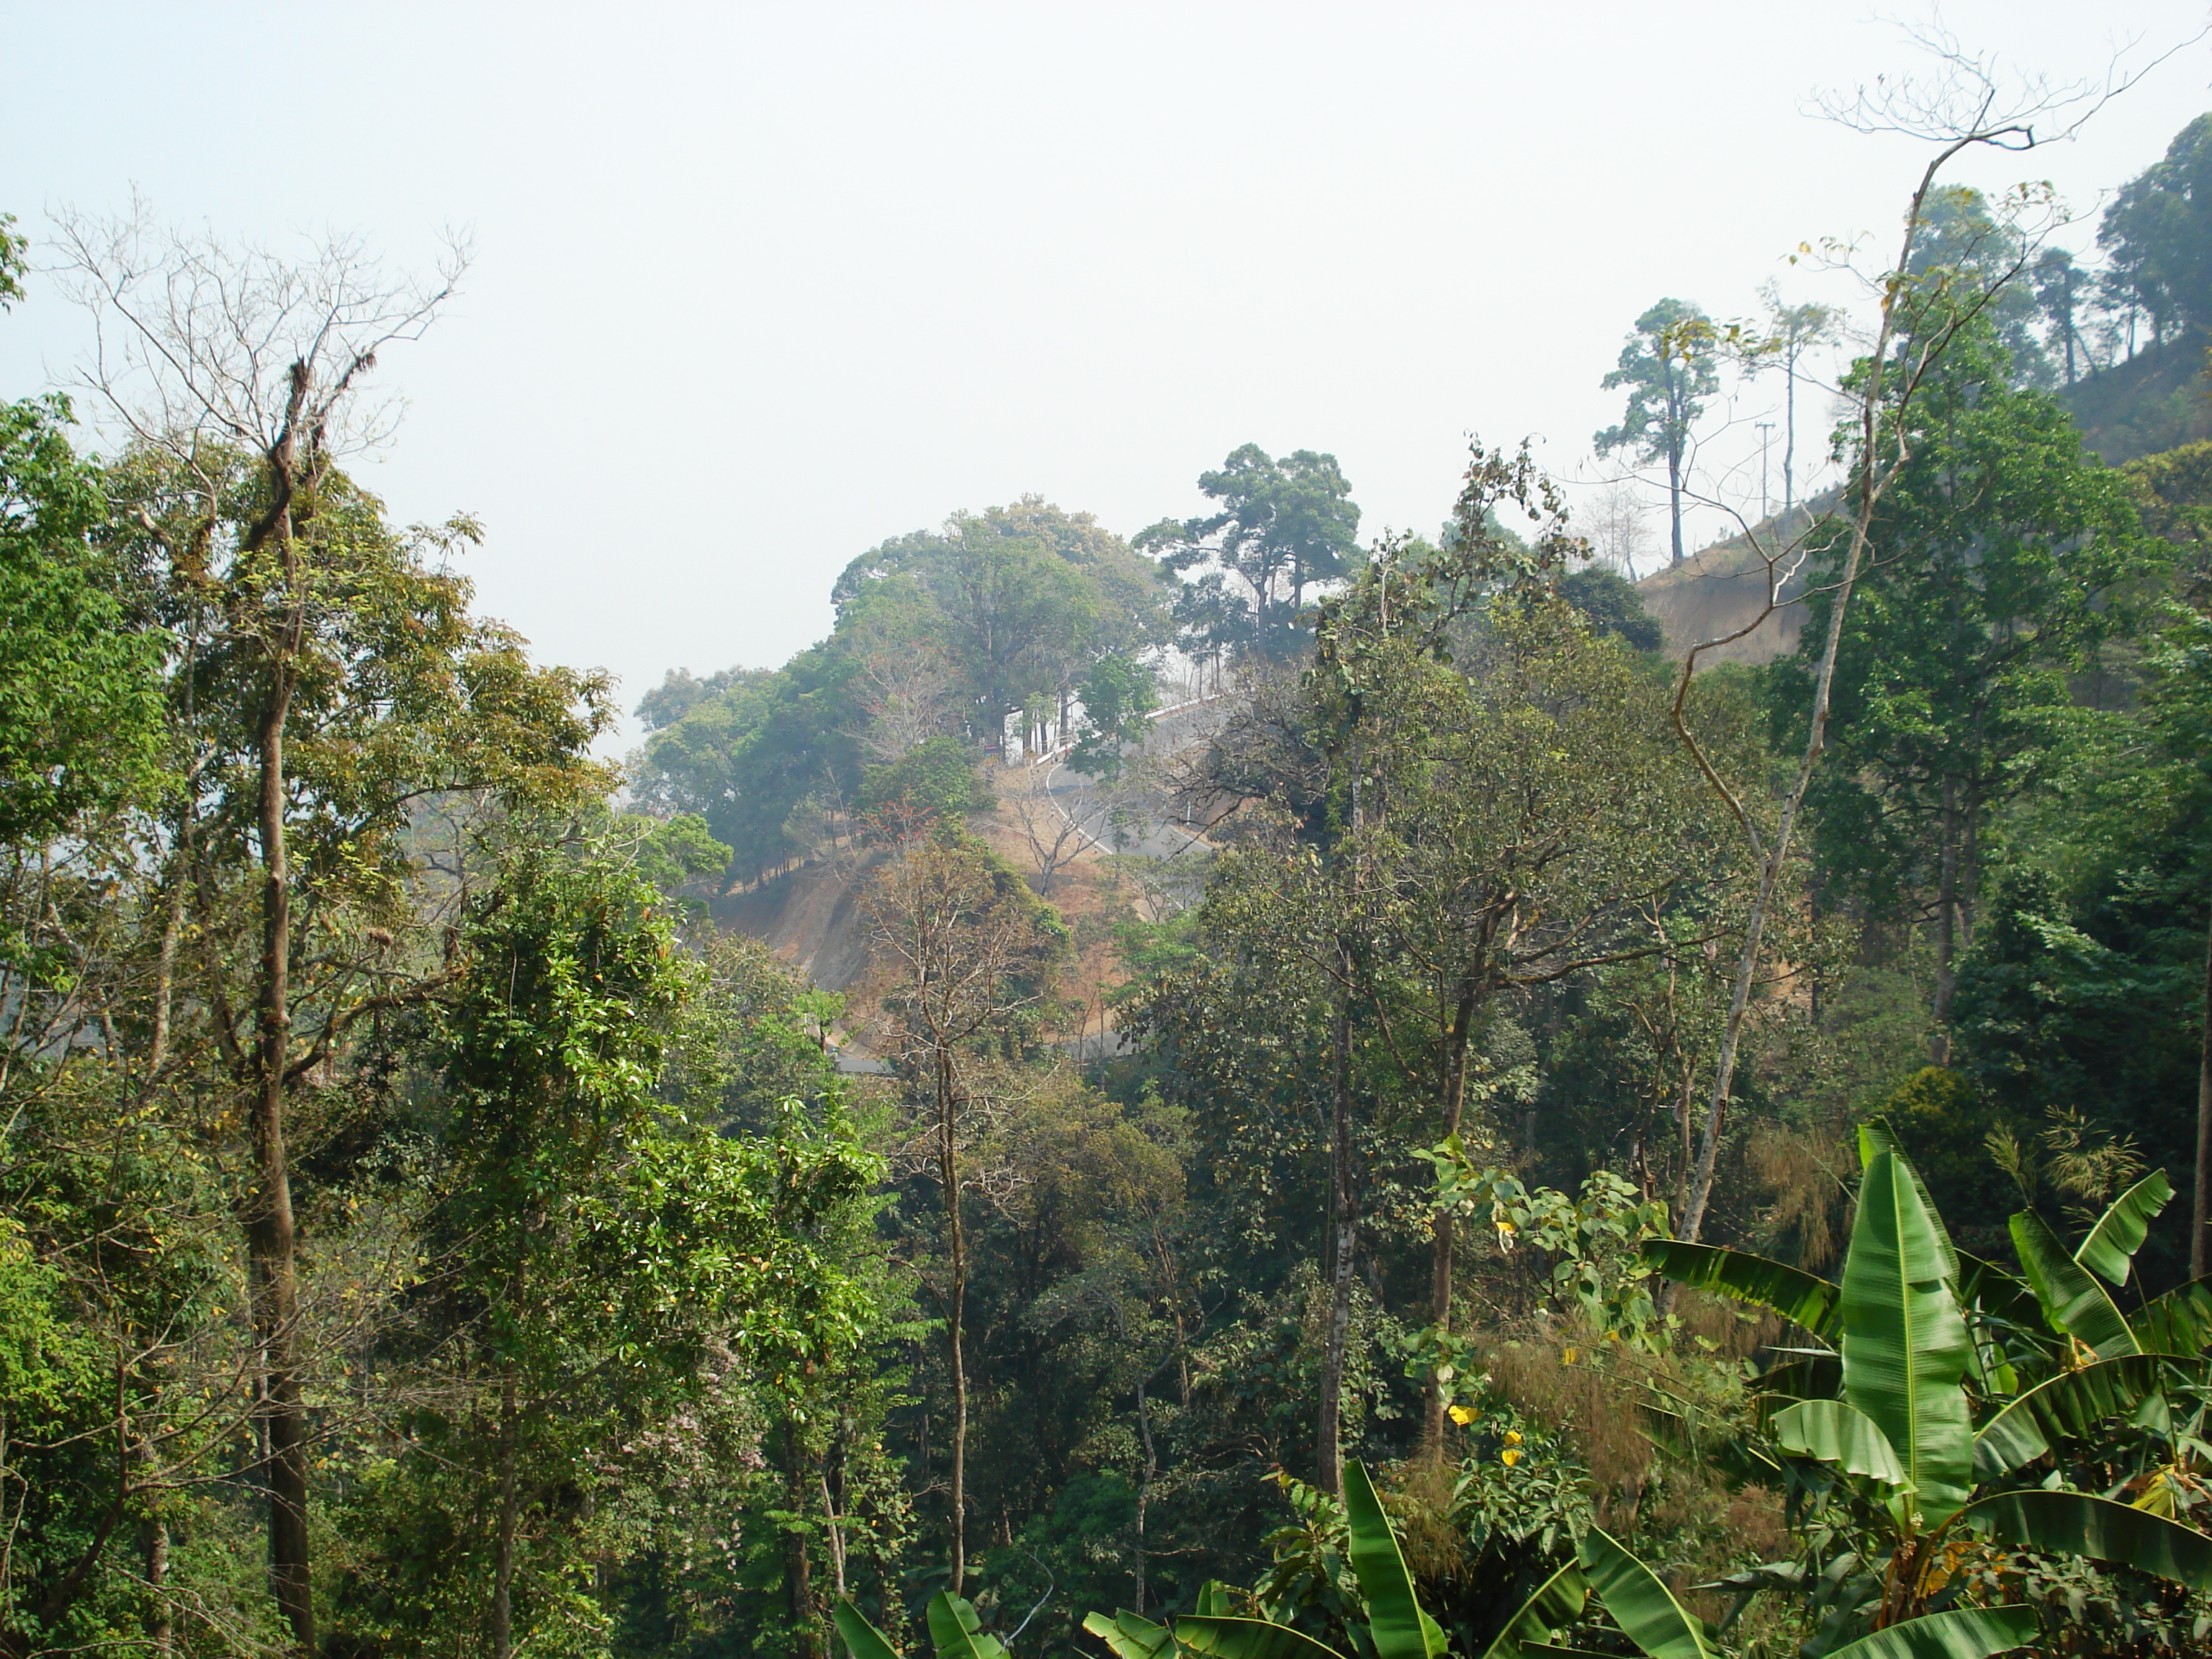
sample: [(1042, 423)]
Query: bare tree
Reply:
[(1053, 837), (206, 352), (911, 700), (1967, 102), (1618, 525), (959, 959)]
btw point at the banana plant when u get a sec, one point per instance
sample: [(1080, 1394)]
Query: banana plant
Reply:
[(1948, 1379), (954, 1631)]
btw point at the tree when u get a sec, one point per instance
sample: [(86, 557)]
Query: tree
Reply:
[(963, 952), (326, 679), (1961, 107), (2060, 290), (2158, 235), (1119, 695), (2002, 555), (605, 1256), (1791, 332), (1667, 366), (1283, 525)]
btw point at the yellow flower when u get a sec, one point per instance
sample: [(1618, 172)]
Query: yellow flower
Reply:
[(1510, 1456), (1459, 1414), (1512, 1437), (1568, 1358)]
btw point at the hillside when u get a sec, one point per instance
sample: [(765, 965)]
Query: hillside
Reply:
[(1719, 589), (2156, 400)]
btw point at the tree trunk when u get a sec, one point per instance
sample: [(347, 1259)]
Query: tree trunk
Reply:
[(1144, 1492), (503, 1581), (1789, 437), (1873, 481), (833, 1524), (271, 1242), (160, 1636), (798, 1569), (1328, 1451), (955, 1309), (1947, 927), (2200, 1238), (1674, 496), (1440, 1262)]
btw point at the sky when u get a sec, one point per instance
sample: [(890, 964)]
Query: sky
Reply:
[(757, 287)]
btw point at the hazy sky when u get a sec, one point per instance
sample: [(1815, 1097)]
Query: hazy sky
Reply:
[(757, 287)]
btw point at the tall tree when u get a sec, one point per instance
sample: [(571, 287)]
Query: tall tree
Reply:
[(327, 679), (2158, 235), (1920, 316), (1791, 332), (963, 952), (1667, 366), (2002, 552), (1285, 525)]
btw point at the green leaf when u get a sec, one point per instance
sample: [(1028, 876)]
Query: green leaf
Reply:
[(1248, 1638), (2109, 1251), (956, 1630), (1640, 1603), (1797, 1296), (1558, 1602), (1837, 1433), (1962, 1633), (1127, 1636), (2072, 1301), (1877, 1138), (862, 1639), (2067, 1406), (1395, 1622), (2076, 1523), (2178, 1322), (1904, 1343)]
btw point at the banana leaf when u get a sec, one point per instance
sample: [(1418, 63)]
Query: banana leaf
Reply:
[(1395, 1623), (1558, 1602), (1877, 1138), (1799, 1297), (2077, 1524), (957, 1633), (2073, 1301), (2109, 1251), (1128, 1635), (2180, 1321), (1837, 1433), (2067, 1406), (1248, 1638), (1962, 1633), (1906, 1346), (1637, 1600), (862, 1639)]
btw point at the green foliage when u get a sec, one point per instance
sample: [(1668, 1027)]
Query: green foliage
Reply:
[(1119, 695), (935, 783), (79, 691), (1608, 602), (1285, 525), (2158, 234)]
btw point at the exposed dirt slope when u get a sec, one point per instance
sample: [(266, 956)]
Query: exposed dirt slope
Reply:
[(1717, 590)]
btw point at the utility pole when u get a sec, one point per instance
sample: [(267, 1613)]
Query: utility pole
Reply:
[(1765, 432)]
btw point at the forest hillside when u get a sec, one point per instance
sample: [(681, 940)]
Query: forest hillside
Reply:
[(1214, 1087)]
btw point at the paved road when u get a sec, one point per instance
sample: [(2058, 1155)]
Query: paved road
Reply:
[(1145, 825)]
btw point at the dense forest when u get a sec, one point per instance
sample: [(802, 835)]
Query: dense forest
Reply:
[(1227, 1090)]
